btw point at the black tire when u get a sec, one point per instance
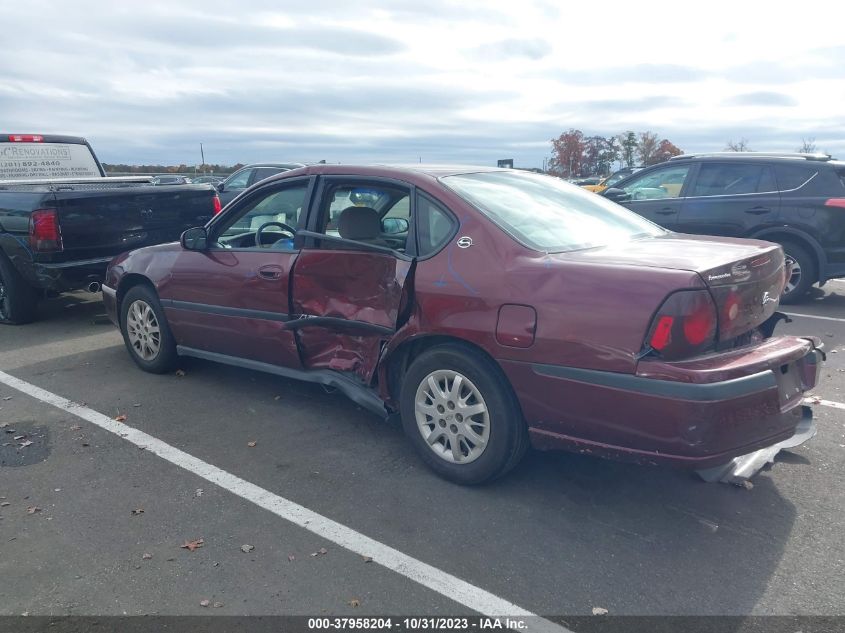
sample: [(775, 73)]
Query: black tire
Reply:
[(164, 360), (18, 300), (507, 438), (809, 272)]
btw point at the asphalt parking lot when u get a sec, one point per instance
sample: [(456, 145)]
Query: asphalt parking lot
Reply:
[(307, 504)]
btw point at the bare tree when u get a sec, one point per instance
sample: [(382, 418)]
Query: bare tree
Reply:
[(808, 146), (739, 146)]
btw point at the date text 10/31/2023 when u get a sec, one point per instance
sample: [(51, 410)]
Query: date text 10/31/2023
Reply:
[(421, 623)]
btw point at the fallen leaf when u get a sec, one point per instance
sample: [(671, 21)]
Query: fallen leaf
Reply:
[(85, 444), (7, 398), (75, 427), (180, 372), (137, 511), (251, 444), (33, 509), (599, 611), (26, 443), (277, 398), (217, 605), (3, 425), (198, 493), (205, 603), (368, 559), (192, 545), (137, 404), (247, 548), (291, 557), (18, 437), (747, 485), (147, 556), (120, 418), (354, 603), (4, 504)]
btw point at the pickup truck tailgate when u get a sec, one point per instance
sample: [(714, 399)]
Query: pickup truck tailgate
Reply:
[(102, 222)]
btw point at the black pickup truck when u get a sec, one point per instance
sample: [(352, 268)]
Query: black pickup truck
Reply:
[(62, 220)]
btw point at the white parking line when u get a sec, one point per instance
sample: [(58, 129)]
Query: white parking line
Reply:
[(813, 316), (824, 403), (428, 576)]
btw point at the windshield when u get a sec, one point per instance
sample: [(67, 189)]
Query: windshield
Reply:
[(547, 214)]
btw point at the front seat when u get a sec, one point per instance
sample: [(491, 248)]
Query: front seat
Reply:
[(361, 224)]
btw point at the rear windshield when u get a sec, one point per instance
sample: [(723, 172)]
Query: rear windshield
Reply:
[(38, 161), (547, 214)]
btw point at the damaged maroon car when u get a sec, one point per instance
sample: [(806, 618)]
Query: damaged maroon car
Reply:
[(490, 310)]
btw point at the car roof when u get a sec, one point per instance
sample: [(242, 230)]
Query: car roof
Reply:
[(823, 158), (387, 170)]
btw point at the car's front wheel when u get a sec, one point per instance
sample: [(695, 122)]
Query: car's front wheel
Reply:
[(145, 331), (459, 412)]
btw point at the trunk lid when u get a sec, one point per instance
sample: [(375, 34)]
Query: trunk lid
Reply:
[(744, 277)]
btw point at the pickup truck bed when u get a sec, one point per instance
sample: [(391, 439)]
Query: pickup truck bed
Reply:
[(58, 234)]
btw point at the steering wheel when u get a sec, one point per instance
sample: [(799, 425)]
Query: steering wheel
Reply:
[(281, 225)]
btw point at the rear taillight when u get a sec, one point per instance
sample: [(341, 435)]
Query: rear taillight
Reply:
[(684, 326), (217, 206), (25, 138), (44, 233), (835, 202)]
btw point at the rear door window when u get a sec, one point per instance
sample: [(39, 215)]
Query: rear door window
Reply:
[(265, 172), (791, 177), (729, 179)]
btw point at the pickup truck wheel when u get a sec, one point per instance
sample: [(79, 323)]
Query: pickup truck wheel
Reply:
[(459, 412), (145, 331), (804, 273), (18, 300)]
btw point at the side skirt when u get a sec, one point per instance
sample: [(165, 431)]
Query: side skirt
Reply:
[(354, 391)]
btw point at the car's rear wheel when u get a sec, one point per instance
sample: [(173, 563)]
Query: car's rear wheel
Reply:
[(804, 272), (18, 301), (459, 412), (145, 331)]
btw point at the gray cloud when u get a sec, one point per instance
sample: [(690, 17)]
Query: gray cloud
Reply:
[(762, 98), (505, 49)]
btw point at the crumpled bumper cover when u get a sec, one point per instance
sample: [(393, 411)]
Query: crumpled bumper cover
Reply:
[(741, 469)]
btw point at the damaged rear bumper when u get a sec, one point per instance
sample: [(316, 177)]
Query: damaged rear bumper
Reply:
[(741, 469)]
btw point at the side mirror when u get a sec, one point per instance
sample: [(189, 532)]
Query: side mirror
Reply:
[(617, 195), (220, 186), (394, 226), (195, 239)]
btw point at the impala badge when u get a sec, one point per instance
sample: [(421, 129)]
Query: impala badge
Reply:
[(464, 242)]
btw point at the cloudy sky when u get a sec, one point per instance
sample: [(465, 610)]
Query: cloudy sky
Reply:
[(379, 81)]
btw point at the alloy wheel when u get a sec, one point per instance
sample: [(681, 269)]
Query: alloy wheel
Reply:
[(4, 300), (143, 330), (794, 277), (452, 416)]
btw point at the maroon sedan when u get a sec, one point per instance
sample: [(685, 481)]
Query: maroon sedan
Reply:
[(490, 309)]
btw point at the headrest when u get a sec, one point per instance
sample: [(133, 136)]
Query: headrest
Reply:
[(359, 223)]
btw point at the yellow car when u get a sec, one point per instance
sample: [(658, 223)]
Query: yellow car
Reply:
[(611, 180)]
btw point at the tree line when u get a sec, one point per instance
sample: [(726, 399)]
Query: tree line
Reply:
[(217, 170), (574, 154)]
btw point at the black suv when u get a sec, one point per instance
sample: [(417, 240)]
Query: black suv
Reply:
[(796, 200)]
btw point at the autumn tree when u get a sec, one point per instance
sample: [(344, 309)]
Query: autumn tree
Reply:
[(739, 146), (568, 153), (647, 148), (599, 154), (665, 150)]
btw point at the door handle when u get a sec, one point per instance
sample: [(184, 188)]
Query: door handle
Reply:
[(270, 272), (666, 211), (758, 210)]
